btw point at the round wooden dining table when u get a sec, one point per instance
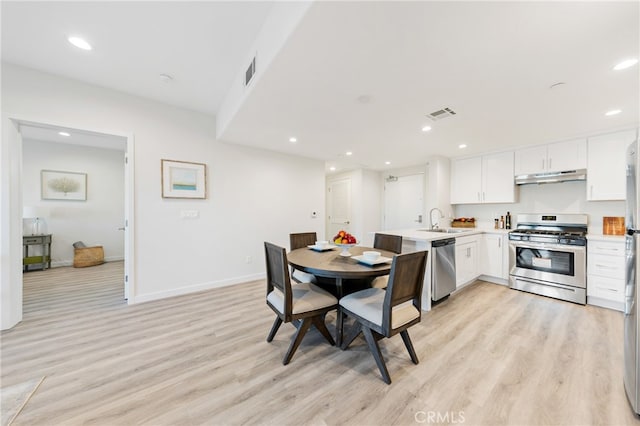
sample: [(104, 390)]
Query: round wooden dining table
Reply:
[(331, 264)]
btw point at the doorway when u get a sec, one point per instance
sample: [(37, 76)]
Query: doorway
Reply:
[(404, 201), (339, 206), (13, 306)]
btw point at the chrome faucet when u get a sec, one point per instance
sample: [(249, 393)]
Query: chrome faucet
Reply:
[(437, 225)]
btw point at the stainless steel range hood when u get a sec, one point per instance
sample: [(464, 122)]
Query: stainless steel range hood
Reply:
[(552, 177)]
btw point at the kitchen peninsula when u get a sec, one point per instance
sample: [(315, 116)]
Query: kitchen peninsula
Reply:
[(480, 253)]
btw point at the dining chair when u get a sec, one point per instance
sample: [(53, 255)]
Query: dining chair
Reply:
[(379, 313), (391, 243), (303, 304), (300, 240)]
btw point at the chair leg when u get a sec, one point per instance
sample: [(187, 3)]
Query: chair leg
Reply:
[(339, 326), (375, 350), (322, 328), (407, 342), (296, 339), (274, 329), (355, 332)]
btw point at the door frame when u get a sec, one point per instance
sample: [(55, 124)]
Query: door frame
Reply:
[(11, 214)]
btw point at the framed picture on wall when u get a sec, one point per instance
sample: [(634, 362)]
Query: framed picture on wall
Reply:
[(182, 179), (57, 185)]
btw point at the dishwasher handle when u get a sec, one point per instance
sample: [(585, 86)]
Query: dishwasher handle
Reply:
[(444, 242)]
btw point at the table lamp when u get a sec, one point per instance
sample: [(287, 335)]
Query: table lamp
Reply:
[(35, 213)]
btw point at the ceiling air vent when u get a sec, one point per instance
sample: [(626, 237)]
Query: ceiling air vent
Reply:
[(441, 113), (250, 72)]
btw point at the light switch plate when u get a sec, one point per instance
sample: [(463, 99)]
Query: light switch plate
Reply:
[(189, 214)]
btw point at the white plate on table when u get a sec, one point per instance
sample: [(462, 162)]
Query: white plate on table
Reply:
[(369, 262), (320, 248)]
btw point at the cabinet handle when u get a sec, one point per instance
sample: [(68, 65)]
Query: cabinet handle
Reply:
[(543, 164), (479, 199), (550, 163), (605, 266), (499, 242), (607, 248)]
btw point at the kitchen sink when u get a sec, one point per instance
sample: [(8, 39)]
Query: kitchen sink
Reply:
[(446, 230)]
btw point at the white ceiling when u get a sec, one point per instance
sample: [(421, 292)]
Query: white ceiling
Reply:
[(491, 62)]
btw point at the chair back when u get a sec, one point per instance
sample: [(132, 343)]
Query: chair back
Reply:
[(405, 283), (302, 239), (391, 243), (278, 273)]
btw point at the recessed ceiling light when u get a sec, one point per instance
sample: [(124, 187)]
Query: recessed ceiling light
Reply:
[(333, 169), (387, 162), (462, 146), (613, 112), (64, 134), (625, 64), (348, 153), (79, 42), (426, 128), (293, 140)]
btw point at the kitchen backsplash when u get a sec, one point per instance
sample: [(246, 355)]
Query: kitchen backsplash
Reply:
[(566, 197)]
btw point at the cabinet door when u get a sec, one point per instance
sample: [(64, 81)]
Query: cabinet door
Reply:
[(466, 262), (606, 166), (569, 155), (492, 255), (466, 181), (530, 160), (498, 185)]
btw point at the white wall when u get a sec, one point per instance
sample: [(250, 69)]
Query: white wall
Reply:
[(94, 221), (565, 197), (253, 195)]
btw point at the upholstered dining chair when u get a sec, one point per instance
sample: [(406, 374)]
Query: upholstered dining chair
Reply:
[(391, 243), (303, 304), (379, 313), (300, 240)]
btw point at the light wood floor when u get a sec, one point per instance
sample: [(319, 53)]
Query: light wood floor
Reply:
[(488, 356)]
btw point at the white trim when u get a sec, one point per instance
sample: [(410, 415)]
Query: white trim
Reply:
[(605, 303), (196, 288), (68, 262)]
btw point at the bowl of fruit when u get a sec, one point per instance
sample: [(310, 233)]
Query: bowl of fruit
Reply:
[(345, 241)]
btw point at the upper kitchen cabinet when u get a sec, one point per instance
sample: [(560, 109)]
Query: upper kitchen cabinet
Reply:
[(486, 179), (554, 157), (606, 166)]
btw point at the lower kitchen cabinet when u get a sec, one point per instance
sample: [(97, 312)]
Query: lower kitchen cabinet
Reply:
[(494, 257), (605, 273), (467, 259)]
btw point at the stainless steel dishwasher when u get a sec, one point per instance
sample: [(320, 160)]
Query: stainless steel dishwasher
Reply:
[(443, 268)]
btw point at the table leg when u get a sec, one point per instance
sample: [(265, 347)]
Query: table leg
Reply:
[(340, 319)]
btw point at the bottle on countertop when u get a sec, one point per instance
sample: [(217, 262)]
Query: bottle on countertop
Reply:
[(507, 222), (497, 225), (501, 222)]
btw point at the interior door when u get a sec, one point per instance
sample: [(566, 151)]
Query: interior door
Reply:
[(339, 206), (404, 202)]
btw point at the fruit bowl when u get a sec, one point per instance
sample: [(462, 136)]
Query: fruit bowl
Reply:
[(345, 249)]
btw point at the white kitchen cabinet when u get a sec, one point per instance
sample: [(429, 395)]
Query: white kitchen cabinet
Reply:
[(486, 179), (466, 260), (606, 165), (605, 273), (554, 157), (494, 256)]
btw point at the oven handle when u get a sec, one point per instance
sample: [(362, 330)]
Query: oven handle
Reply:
[(555, 247)]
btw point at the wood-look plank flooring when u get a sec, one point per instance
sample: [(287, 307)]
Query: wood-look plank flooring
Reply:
[(488, 356)]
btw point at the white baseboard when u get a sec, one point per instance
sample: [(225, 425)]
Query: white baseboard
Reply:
[(494, 280), (604, 303), (195, 288), (69, 262)]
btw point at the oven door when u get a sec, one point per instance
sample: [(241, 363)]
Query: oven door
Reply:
[(553, 263)]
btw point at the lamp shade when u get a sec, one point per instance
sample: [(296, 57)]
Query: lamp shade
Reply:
[(32, 212)]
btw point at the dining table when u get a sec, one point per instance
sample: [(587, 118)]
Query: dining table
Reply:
[(331, 263)]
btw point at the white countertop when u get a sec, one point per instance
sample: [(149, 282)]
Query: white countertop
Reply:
[(426, 235), (600, 237)]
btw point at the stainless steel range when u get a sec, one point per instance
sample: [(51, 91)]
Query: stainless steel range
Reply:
[(548, 256)]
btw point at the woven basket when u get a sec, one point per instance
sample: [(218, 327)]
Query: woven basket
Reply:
[(88, 256)]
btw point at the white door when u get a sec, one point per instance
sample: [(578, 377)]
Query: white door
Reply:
[(404, 202), (339, 206)]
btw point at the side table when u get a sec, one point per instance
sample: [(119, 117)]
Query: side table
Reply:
[(44, 259)]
